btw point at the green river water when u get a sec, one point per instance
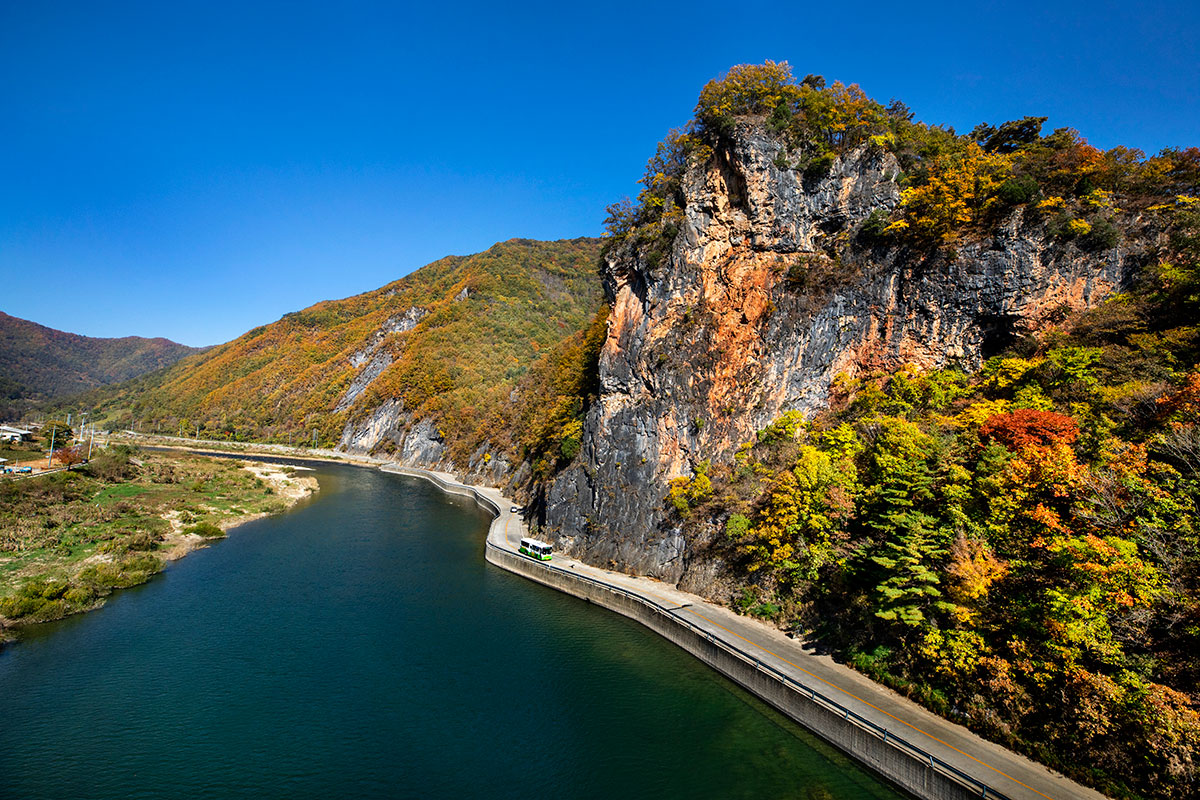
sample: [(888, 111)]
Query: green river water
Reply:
[(360, 646)]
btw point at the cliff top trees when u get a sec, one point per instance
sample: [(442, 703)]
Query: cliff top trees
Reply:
[(954, 185)]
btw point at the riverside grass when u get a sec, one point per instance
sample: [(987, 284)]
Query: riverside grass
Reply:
[(68, 539)]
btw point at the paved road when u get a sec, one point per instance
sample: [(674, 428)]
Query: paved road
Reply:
[(1010, 773)]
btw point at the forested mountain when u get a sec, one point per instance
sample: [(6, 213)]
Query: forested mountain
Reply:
[(39, 363), (425, 366)]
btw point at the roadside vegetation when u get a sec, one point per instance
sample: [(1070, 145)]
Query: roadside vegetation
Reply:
[(68, 539)]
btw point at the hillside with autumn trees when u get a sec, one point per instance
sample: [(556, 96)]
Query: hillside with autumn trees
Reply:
[(1016, 543), (450, 342)]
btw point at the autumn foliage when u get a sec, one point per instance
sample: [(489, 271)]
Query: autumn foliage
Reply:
[(70, 456), (1026, 427), (991, 544)]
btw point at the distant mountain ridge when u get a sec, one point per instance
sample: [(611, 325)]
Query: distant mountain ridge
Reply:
[(38, 363), (425, 367)]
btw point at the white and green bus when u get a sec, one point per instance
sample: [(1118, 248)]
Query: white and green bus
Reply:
[(535, 549)]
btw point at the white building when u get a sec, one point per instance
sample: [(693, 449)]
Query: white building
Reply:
[(10, 434)]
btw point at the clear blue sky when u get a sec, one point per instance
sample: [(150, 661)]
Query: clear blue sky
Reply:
[(191, 170)]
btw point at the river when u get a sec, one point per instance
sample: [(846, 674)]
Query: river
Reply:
[(359, 646)]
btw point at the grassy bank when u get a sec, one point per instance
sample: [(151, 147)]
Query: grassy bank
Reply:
[(68, 539)]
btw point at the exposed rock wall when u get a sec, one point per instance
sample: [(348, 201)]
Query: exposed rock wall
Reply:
[(751, 316), (391, 432), (376, 357), (414, 444)]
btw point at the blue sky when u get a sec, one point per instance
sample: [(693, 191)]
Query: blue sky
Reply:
[(192, 170)]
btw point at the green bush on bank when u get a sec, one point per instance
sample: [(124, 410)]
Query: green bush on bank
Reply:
[(205, 529), (42, 599)]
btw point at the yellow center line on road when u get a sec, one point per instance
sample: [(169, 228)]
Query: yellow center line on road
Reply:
[(507, 538)]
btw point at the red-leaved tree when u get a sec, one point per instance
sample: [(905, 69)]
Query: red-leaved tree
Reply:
[(1026, 427)]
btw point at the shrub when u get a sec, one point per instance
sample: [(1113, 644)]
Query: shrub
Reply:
[(1103, 235), (143, 541), (80, 596), (783, 429), (1078, 227), (38, 599), (873, 228), (17, 606), (819, 167), (749, 604), (572, 435), (113, 465), (685, 493), (736, 527), (1017, 190), (129, 571), (205, 529)]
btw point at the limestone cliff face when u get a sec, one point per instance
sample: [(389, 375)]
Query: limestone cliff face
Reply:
[(751, 316)]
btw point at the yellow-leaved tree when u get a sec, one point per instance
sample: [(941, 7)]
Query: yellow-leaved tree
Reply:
[(959, 193)]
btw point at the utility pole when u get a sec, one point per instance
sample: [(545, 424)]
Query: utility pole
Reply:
[(53, 431), (91, 441), (314, 438)]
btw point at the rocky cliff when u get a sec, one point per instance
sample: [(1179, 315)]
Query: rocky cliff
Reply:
[(767, 294)]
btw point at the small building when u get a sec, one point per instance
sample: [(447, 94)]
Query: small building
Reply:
[(10, 434)]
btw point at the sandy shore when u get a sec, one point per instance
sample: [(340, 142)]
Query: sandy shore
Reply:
[(290, 484)]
